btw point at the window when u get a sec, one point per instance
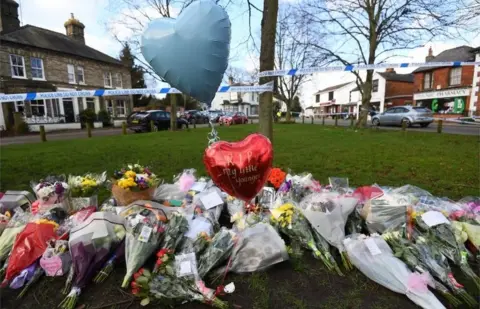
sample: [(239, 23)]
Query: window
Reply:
[(71, 73), (110, 107), (119, 80), (455, 76), (428, 81), (91, 103), (375, 85), (330, 95), (20, 107), (80, 104), (390, 111), (38, 108), (80, 75), (37, 68), (400, 110), (53, 107), (107, 79), (317, 98), (120, 108), (18, 66)]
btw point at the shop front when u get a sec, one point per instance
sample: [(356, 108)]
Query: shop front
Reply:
[(446, 102)]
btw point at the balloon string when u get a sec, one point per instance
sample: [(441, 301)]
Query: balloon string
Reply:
[(213, 135)]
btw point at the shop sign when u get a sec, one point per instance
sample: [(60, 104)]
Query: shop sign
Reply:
[(442, 94)]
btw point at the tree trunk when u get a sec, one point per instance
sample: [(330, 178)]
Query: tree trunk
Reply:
[(288, 114), (366, 97), (173, 112), (267, 59)]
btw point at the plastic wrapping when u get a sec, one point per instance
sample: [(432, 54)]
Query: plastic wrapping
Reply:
[(258, 247), (388, 212), (212, 213), (83, 190), (185, 180), (168, 192), (374, 258), (16, 224), (133, 182), (56, 259), (218, 251)]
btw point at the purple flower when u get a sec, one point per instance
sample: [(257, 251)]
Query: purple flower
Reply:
[(59, 189), (147, 171)]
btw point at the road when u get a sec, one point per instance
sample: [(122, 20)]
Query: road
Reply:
[(447, 128)]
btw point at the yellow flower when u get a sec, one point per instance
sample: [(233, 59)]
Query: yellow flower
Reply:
[(87, 182), (130, 174), (127, 183)]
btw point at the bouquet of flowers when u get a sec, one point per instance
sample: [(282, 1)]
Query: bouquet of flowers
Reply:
[(132, 183), (32, 278), (328, 214), (15, 225), (144, 231), (441, 234), (374, 258), (408, 253), (277, 177), (32, 242), (4, 218), (177, 226), (291, 222), (217, 252), (49, 191), (83, 189), (56, 259), (90, 245), (107, 269)]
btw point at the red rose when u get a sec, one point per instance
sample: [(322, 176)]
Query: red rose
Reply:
[(135, 291)]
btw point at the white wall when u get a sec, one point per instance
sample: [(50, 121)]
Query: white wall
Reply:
[(475, 88), (217, 103), (379, 96), (49, 127)]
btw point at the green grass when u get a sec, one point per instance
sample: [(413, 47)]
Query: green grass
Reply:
[(446, 165)]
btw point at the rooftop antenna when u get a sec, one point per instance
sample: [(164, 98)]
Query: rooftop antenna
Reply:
[(21, 12)]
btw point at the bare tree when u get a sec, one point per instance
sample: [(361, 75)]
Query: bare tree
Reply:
[(240, 75), (372, 31), (267, 62), (291, 52)]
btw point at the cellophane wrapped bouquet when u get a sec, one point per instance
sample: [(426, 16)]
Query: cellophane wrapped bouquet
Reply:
[(218, 251), (50, 191), (90, 244), (145, 228), (84, 190), (374, 258), (15, 225), (133, 182)]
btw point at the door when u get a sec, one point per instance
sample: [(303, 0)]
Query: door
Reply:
[(388, 116), (68, 110), (400, 113)]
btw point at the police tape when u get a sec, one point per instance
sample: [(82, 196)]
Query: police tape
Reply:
[(363, 67), (118, 92)]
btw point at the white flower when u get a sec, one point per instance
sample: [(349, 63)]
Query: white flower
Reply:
[(45, 191), (237, 216), (137, 166), (130, 166)]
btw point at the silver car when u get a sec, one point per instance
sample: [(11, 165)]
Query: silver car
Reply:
[(411, 115)]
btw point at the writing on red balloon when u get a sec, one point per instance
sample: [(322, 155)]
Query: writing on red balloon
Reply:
[(241, 175)]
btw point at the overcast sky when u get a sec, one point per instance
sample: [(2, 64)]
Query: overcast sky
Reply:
[(97, 14)]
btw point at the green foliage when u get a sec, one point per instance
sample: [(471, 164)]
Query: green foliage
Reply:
[(105, 118), (136, 74), (296, 107), (87, 116), (22, 128)]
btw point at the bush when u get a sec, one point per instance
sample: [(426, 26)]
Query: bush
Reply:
[(104, 117), (22, 128), (87, 116)]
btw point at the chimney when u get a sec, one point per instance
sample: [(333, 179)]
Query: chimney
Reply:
[(9, 16), (430, 55), (74, 29), (390, 70)]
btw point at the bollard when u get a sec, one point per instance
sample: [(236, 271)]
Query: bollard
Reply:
[(194, 123), (251, 121), (89, 129), (152, 126), (124, 128), (336, 121), (43, 135), (303, 119), (351, 122), (323, 120), (404, 125), (440, 126), (312, 120)]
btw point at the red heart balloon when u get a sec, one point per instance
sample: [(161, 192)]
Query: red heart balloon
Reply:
[(241, 168)]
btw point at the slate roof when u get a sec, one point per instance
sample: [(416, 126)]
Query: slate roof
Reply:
[(333, 87), (460, 53), (50, 40), (408, 78)]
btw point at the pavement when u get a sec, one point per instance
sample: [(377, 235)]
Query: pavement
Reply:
[(448, 128)]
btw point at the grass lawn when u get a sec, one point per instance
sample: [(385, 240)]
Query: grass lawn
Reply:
[(446, 165)]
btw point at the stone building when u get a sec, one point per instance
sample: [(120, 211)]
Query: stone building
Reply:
[(34, 59)]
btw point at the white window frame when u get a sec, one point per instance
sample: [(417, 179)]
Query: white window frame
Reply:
[(80, 69), (12, 66), (37, 104), (454, 74), (107, 76), (40, 68), (123, 108), (89, 100), (119, 80), (71, 73), (430, 81), (109, 107), (19, 104)]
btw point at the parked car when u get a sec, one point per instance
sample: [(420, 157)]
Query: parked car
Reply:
[(140, 121), (196, 116), (215, 115), (233, 118), (411, 115)]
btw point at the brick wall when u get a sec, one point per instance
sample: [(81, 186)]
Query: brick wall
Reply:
[(441, 76), (395, 88), (55, 67)]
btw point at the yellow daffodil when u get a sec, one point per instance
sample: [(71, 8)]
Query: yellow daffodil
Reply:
[(127, 183), (130, 174), (88, 182)]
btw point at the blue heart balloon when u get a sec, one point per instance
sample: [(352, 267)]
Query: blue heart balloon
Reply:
[(191, 52)]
